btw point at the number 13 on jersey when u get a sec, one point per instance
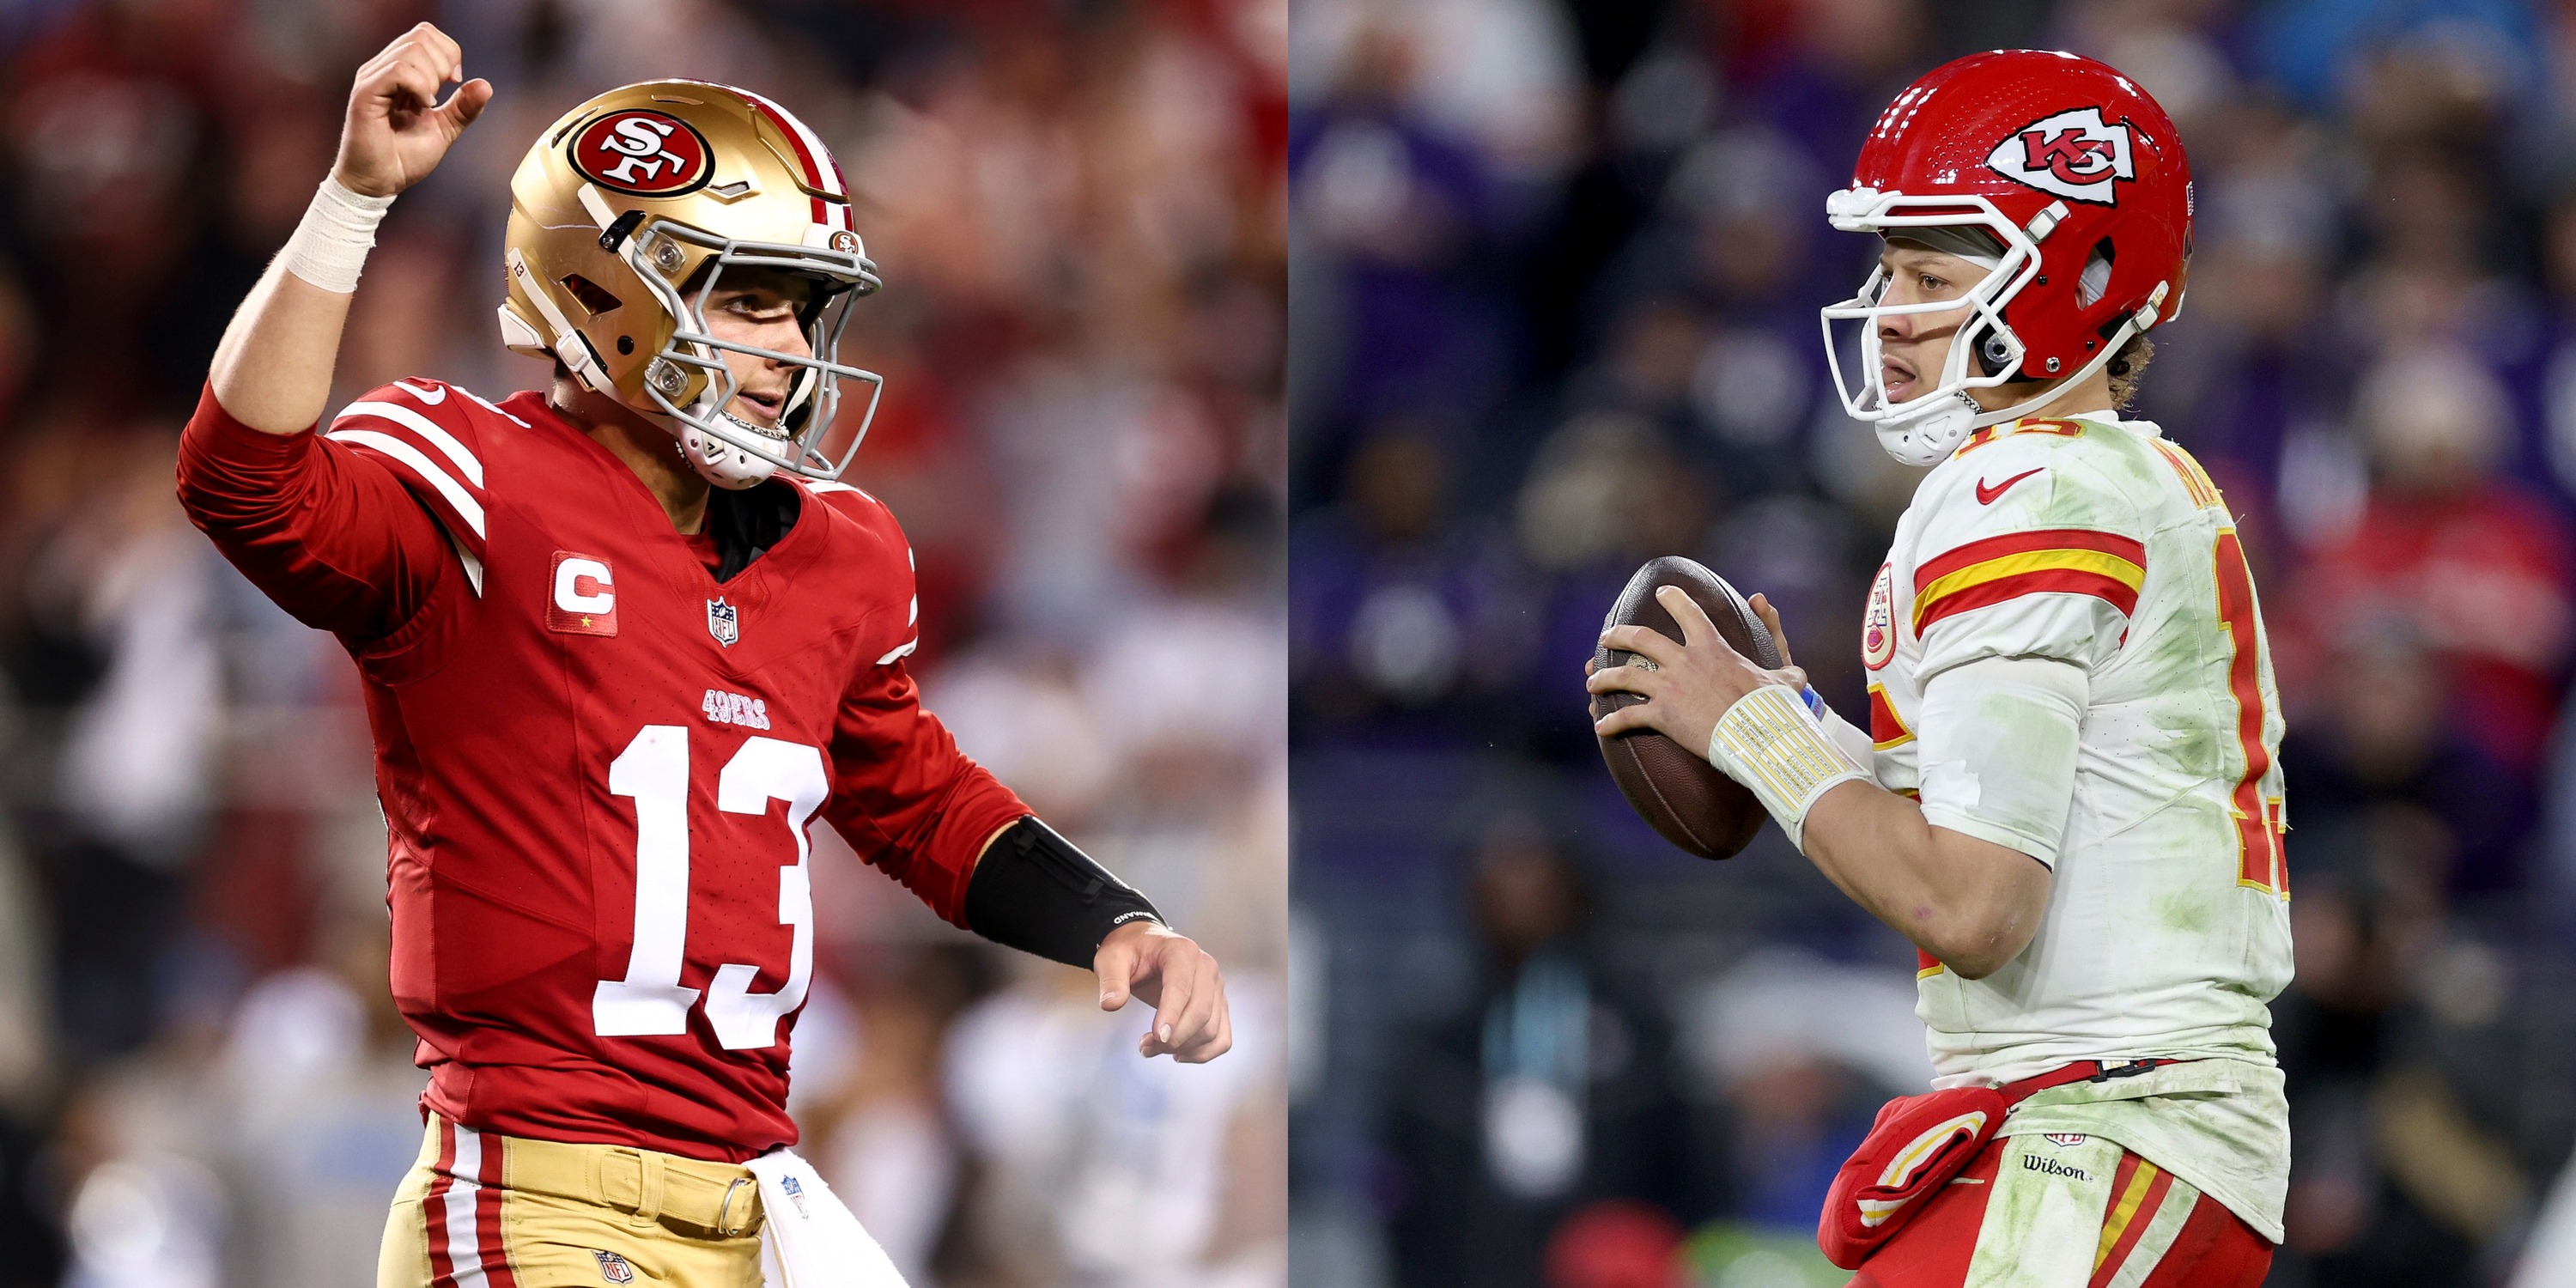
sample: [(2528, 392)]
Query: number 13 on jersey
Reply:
[(653, 771)]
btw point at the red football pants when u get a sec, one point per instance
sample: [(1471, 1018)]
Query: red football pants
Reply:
[(2213, 1249)]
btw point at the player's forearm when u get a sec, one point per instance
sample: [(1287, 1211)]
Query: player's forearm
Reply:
[(1972, 904), (1037, 892), (272, 372)]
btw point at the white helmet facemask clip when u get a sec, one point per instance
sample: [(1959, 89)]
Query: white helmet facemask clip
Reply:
[(1926, 428)]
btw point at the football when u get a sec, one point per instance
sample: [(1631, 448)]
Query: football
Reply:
[(1672, 786)]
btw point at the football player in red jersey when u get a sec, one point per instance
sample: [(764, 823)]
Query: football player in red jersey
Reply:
[(622, 641)]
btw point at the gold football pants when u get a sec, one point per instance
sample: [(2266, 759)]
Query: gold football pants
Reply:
[(486, 1211)]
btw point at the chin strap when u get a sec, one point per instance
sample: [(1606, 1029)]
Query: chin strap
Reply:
[(1930, 437), (722, 463)]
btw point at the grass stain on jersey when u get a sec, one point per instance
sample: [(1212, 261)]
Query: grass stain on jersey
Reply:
[(2193, 742), (2187, 912)]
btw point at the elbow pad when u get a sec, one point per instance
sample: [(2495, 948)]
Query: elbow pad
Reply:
[(1035, 891), (1997, 747)]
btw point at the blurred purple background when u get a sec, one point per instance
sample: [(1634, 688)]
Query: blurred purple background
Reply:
[(1079, 213), (1556, 269)]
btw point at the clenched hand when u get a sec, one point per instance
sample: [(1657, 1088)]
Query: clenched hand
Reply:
[(397, 131)]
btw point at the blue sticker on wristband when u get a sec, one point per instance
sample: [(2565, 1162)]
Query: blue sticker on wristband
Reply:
[(1815, 701)]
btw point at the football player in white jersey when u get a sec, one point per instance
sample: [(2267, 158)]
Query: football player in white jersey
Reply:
[(2069, 795)]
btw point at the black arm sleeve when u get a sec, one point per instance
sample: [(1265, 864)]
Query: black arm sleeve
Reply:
[(1035, 892)]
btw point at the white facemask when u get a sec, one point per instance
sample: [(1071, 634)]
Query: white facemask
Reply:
[(1925, 429)]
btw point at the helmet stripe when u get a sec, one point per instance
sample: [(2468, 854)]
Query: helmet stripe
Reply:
[(820, 170)]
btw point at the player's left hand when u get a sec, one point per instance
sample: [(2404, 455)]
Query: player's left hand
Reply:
[(1174, 976), (1690, 684)]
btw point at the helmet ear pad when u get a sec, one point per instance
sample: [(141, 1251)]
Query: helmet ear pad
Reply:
[(608, 303), (2066, 325)]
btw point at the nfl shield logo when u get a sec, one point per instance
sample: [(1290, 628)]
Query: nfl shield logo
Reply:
[(614, 1269), (724, 622), (2067, 1139)]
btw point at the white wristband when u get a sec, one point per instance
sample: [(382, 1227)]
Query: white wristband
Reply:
[(330, 247), (1770, 742)]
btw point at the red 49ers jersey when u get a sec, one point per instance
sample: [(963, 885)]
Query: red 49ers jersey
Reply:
[(598, 764)]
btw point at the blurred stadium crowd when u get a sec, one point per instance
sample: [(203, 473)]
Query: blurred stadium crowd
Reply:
[(1556, 269), (1078, 210)]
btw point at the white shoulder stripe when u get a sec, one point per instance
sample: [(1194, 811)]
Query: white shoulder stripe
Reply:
[(467, 508), (428, 429), (900, 653), (488, 406), (826, 489)]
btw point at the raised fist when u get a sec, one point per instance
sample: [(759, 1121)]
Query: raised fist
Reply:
[(397, 130)]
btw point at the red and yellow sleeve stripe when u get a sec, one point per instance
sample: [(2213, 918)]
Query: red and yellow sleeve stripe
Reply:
[(1886, 729), (2074, 561)]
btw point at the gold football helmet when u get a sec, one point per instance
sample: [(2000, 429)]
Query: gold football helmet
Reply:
[(624, 217)]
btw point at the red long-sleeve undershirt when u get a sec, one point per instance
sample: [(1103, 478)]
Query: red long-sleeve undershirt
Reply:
[(328, 533)]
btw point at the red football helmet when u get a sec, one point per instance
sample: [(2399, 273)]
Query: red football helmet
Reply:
[(2081, 182)]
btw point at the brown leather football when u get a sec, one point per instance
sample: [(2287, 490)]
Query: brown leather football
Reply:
[(1672, 786)]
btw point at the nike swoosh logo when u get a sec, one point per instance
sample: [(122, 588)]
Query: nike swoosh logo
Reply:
[(436, 396), (1986, 495)]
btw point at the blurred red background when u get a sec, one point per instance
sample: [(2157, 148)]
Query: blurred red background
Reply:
[(1079, 214)]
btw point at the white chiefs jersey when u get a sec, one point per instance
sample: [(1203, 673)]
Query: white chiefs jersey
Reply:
[(2095, 542)]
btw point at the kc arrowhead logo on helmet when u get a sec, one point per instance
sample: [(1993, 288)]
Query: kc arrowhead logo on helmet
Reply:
[(2080, 220), (2076, 155), (649, 154)]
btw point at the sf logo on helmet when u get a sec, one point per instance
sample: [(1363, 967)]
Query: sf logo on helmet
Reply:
[(2076, 155), (649, 154)]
